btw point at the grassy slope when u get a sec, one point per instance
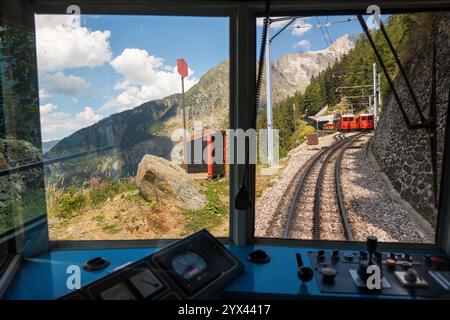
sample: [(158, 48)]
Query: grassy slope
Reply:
[(116, 210)]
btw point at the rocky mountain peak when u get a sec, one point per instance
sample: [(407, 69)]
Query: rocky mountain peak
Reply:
[(341, 46), (299, 67)]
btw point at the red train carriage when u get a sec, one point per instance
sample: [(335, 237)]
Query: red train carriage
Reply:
[(365, 122), (205, 153), (345, 123)]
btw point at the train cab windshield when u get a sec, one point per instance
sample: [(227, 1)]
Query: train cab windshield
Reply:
[(159, 151)]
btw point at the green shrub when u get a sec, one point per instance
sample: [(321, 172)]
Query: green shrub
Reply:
[(214, 205), (65, 203), (299, 136), (213, 211), (98, 218), (134, 197), (109, 189), (156, 128), (111, 228)]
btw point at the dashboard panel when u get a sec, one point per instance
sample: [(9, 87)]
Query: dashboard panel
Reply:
[(193, 268)]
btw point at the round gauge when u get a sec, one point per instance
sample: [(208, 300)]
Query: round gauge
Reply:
[(188, 264)]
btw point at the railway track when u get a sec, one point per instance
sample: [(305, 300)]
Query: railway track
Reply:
[(315, 200)]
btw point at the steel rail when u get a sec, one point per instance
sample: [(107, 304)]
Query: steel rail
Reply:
[(304, 175), (318, 190), (339, 194)]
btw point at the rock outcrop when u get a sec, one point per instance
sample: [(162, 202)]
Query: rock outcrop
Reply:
[(403, 154), (164, 181)]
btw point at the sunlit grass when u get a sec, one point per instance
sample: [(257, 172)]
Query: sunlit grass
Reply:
[(215, 209), (72, 201)]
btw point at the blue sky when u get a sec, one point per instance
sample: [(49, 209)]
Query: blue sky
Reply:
[(311, 38), (99, 65)]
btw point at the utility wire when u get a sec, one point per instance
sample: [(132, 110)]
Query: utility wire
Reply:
[(323, 33), (331, 40)]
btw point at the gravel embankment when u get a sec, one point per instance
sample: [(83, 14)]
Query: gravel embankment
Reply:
[(370, 209)]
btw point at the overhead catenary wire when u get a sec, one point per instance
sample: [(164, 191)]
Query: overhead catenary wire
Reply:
[(323, 33)]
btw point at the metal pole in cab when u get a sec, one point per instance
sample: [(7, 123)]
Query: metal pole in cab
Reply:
[(183, 71)]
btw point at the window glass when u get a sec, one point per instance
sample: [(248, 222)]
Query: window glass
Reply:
[(111, 110), (3, 254), (322, 67), (22, 198)]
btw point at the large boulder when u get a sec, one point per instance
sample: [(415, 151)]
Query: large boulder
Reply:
[(160, 179)]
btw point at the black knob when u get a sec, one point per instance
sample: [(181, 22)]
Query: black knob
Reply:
[(259, 257), (328, 274), (321, 254), (335, 255), (411, 276), (96, 264), (305, 274)]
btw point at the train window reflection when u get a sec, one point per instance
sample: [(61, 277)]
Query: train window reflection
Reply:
[(21, 191), (354, 160)]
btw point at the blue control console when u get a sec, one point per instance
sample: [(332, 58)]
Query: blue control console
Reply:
[(46, 276)]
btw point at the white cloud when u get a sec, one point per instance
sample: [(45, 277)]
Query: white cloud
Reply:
[(59, 83), (300, 28), (88, 116), (145, 78), (48, 107), (57, 125), (137, 66), (302, 44), (62, 45)]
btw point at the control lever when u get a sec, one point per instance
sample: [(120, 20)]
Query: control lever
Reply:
[(304, 273), (372, 243)]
